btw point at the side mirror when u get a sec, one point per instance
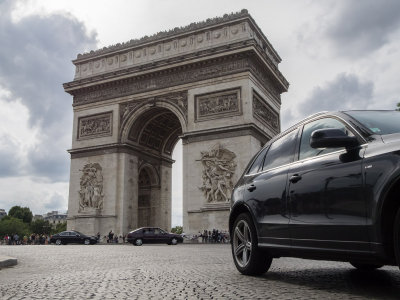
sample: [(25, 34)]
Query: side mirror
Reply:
[(332, 138)]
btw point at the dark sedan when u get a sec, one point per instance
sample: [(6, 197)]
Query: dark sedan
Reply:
[(326, 188), (72, 237), (153, 235)]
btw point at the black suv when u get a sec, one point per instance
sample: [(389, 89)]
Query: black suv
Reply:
[(326, 188)]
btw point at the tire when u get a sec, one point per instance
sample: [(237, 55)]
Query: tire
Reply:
[(86, 242), (248, 258), (174, 241), (138, 242), (58, 242), (396, 237), (365, 266)]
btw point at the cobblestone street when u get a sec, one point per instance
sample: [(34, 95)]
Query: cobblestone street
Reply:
[(185, 271)]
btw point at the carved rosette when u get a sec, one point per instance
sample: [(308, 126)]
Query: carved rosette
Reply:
[(91, 188), (94, 126), (218, 105), (265, 113), (218, 168)]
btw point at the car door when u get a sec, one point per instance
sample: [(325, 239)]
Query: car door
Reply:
[(148, 235), (326, 201), (265, 191), (160, 236)]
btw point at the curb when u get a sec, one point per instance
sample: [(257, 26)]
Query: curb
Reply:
[(7, 261)]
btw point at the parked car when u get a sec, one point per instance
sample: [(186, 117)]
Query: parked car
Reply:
[(326, 188), (153, 235), (72, 237)]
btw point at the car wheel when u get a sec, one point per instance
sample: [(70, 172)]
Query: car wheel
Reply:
[(248, 258), (396, 238), (174, 241), (139, 242), (58, 242), (86, 242), (365, 267)]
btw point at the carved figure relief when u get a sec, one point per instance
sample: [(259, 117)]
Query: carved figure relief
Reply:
[(91, 191), (265, 113), (95, 126), (218, 168), (126, 108), (225, 103)]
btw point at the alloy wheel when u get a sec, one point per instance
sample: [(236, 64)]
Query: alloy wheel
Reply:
[(242, 243)]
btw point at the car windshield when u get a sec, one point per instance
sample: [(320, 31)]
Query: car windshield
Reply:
[(378, 121)]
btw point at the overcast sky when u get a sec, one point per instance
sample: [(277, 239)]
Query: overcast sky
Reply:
[(335, 54)]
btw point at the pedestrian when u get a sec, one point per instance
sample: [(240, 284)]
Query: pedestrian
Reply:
[(110, 236)]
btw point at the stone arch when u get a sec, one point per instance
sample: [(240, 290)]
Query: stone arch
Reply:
[(148, 200), (132, 102), (152, 172), (152, 130), (142, 109)]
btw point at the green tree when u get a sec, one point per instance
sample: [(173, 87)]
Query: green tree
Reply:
[(398, 106), (40, 226), (59, 227), (22, 213), (177, 230), (10, 225)]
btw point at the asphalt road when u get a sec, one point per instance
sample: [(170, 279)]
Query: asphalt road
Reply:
[(184, 271)]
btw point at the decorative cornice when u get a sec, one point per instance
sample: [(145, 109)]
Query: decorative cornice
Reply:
[(173, 33), (117, 148), (226, 132), (198, 71)]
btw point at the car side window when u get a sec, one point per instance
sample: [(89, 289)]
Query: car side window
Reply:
[(148, 231), (305, 149), (281, 151), (258, 162)]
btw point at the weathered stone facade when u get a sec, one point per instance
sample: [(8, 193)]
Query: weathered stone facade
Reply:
[(214, 84)]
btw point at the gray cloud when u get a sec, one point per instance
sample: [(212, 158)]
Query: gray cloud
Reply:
[(56, 202), (344, 92), (35, 59), (9, 163), (363, 26)]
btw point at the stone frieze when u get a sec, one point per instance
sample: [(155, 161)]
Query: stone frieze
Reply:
[(265, 113), (94, 126), (218, 104)]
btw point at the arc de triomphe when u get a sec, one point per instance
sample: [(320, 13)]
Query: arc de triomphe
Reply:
[(213, 84)]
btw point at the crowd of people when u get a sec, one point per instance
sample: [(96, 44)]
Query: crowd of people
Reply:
[(214, 236), (33, 239), (112, 238)]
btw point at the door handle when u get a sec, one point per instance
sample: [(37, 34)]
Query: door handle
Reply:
[(295, 178), (251, 188)]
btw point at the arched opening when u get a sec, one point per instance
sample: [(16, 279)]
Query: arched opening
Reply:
[(154, 134), (148, 200)]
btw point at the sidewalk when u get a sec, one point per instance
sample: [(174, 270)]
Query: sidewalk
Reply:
[(7, 261)]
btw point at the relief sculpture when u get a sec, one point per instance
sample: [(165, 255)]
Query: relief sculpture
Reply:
[(91, 191), (265, 113), (218, 169), (94, 126), (226, 103)]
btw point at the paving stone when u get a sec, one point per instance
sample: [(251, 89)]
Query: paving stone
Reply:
[(179, 272)]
